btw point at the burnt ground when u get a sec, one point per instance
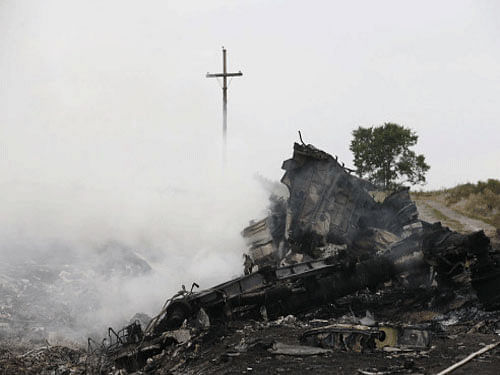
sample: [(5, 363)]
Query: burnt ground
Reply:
[(457, 324), (219, 357), (244, 347)]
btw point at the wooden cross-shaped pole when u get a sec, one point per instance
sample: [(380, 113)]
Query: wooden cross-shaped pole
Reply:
[(224, 76)]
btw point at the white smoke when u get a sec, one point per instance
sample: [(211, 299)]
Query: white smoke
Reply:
[(111, 158), (93, 247)]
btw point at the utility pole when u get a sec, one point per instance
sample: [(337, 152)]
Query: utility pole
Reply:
[(224, 76)]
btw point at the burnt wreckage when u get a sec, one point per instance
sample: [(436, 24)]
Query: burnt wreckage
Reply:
[(329, 238)]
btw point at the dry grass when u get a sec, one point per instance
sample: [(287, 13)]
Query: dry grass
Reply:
[(447, 221), (478, 201)]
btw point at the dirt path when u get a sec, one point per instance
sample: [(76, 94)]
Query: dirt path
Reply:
[(432, 211)]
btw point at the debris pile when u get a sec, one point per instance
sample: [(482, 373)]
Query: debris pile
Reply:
[(294, 344), (326, 254), (40, 298), (45, 360)]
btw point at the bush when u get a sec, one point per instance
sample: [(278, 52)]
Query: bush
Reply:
[(483, 203), (490, 190), (496, 221)]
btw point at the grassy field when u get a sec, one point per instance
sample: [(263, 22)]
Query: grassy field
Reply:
[(479, 201)]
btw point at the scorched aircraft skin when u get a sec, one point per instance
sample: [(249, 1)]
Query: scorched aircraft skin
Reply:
[(329, 238)]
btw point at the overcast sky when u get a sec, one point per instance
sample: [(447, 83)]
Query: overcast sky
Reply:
[(93, 86)]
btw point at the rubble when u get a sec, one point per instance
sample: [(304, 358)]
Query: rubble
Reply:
[(42, 299), (375, 242), (327, 253), (46, 360), (328, 239)]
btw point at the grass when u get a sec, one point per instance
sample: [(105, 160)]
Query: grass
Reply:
[(447, 221), (489, 190), (479, 201)]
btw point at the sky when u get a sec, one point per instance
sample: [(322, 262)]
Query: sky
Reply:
[(120, 84), (109, 128)]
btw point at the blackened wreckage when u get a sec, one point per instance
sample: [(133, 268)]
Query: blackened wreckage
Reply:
[(327, 239)]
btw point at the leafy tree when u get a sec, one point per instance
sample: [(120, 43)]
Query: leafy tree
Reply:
[(382, 155)]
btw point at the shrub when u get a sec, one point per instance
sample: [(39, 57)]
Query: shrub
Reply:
[(490, 189)]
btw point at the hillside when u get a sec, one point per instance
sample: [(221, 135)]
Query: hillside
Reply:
[(464, 208)]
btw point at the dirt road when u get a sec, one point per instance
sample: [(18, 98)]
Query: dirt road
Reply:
[(431, 210)]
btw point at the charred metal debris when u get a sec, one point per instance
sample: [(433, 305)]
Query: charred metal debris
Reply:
[(327, 239)]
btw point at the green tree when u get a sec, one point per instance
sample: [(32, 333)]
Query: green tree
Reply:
[(382, 155)]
